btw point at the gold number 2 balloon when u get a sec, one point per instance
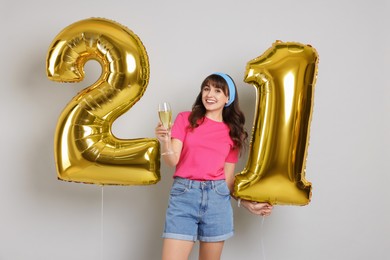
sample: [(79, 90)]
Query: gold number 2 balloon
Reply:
[(284, 78), (85, 149)]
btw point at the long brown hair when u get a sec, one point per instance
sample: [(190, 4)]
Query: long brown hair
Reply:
[(232, 114)]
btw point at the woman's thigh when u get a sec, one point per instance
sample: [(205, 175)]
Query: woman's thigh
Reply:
[(210, 250), (174, 249)]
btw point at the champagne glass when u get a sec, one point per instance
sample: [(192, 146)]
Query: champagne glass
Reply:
[(165, 114)]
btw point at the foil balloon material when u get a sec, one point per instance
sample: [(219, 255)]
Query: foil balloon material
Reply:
[(86, 151), (284, 78)]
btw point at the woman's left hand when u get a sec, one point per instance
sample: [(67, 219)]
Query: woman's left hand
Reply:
[(257, 208)]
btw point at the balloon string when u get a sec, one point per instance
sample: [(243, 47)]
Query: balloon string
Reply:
[(101, 226), (261, 238)]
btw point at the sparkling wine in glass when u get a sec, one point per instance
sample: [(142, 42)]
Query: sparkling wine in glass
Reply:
[(165, 114)]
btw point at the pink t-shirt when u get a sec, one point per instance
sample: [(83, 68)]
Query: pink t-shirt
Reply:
[(205, 149)]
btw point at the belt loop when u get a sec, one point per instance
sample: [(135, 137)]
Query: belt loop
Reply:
[(213, 184), (189, 183)]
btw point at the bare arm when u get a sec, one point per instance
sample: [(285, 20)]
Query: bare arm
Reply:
[(229, 175), (256, 208), (170, 148)]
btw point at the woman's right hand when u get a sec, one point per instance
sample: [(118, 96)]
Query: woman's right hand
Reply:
[(162, 134), (170, 148)]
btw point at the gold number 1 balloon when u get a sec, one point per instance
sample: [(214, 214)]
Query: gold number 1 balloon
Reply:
[(284, 78), (85, 149)]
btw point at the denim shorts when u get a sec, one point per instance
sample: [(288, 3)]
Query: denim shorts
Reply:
[(199, 210)]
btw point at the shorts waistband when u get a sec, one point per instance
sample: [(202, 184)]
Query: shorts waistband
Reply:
[(195, 184)]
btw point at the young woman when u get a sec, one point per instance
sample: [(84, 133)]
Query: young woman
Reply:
[(204, 145)]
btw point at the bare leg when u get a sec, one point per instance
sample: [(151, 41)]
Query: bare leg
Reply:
[(210, 250), (174, 249)]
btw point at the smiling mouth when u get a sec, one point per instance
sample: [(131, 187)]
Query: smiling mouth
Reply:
[(210, 101)]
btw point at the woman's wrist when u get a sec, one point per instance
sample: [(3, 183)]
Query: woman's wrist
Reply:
[(168, 152), (238, 199), (166, 148)]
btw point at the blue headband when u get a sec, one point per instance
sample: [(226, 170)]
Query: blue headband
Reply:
[(232, 89)]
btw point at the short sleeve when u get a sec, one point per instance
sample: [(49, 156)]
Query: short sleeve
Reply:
[(180, 126), (232, 156)]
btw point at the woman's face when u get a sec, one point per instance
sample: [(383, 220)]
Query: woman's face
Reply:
[(213, 98)]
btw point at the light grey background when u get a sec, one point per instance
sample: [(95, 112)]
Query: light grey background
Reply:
[(348, 159)]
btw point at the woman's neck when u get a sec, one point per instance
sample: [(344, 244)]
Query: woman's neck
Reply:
[(214, 115)]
